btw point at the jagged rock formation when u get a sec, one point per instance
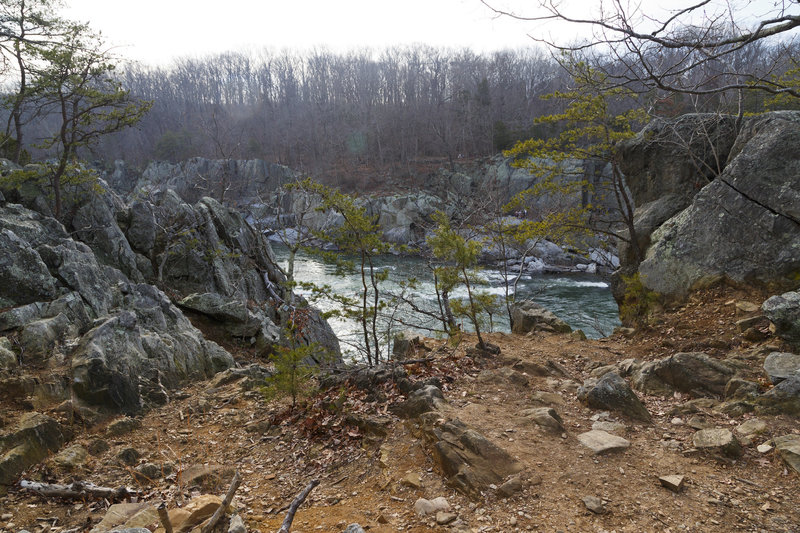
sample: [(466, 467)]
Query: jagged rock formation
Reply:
[(125, 340), (742, 219), (85, 292), (238, 180), (404, 219)]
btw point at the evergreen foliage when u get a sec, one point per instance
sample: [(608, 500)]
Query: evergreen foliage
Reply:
[(594, 120), (458, 265)]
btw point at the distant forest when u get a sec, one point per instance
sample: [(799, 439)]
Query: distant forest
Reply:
[(322, 111), (334, 115)]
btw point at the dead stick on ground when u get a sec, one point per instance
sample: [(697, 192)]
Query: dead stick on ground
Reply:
[(753, 483), (76, 491), (164, 517), (298, 501), (225, 503)]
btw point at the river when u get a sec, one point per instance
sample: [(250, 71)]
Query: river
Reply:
[(583, 301)]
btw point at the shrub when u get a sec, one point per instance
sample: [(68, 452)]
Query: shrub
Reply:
[(638, 302)]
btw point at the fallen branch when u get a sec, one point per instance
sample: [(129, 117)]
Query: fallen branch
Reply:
[(298, 501), (753, 483), (77, 491), (225, 503)]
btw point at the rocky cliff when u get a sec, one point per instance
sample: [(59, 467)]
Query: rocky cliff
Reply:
[(404, 218), (106, 291), (716, 203)]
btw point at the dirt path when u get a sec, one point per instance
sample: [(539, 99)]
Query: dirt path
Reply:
[(374, 479)]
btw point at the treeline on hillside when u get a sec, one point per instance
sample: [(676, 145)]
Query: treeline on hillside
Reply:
[(321, 109), (385, 111), (327, 112)]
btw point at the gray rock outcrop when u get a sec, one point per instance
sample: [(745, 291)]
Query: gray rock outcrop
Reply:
[(141, 351), (80, 291), (784, 311), (693, 372), (528, 316), (744, 225), (128, 338), (613, 393), (198, 177)]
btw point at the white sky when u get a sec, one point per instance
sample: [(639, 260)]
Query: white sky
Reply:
[(155, 31)]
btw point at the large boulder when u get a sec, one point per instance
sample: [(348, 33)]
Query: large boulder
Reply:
[(34, 437), (613, 393), (692, 372), (744, 225), (528, 316), (784, 311), (140, 351), (470, 462), (676, 156)]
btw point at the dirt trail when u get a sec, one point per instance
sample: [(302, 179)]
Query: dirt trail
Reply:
[(375, 480)]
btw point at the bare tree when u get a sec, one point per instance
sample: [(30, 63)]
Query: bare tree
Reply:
[(699, 48)]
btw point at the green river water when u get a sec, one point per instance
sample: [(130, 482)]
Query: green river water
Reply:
[(583, 301)]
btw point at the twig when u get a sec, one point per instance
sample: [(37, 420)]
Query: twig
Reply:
[(225, 503), (164, 517), (298, 501), (753, 483)]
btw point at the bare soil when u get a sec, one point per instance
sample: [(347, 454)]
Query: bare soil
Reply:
[(362, 475)]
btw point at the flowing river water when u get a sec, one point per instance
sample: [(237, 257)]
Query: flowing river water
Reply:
[(583, 301)]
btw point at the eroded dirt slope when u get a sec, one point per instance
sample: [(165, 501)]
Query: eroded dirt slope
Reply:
[(374, 478)]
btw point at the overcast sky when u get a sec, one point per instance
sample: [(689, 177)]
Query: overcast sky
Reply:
[(155, 31)]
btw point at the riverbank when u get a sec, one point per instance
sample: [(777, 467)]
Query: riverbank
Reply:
[(374, 463)]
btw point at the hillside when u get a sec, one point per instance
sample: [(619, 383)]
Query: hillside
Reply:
[(374, 475)]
